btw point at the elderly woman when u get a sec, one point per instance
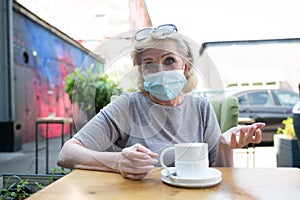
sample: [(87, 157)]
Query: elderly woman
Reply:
[(161, 114)]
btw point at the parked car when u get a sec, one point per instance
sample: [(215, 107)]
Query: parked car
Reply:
[(270, 106)]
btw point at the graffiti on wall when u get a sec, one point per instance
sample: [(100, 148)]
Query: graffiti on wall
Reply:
[(42, 60)]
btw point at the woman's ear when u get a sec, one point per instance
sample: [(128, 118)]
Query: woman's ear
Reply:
[(187, 67)]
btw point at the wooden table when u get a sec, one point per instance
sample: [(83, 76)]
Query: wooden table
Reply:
[(49, 120), (237, 183)]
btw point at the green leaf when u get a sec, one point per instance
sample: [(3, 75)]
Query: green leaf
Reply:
[(91, 90)]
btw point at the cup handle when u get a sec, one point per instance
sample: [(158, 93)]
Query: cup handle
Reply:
[(161, 158)]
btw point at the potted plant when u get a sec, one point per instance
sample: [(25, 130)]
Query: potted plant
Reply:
[(286, 144), (90, 90)]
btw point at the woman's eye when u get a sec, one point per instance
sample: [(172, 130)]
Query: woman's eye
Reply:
[(148, 65), (169, 61)]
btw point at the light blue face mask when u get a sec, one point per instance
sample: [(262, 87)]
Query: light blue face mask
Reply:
[(165, 85)]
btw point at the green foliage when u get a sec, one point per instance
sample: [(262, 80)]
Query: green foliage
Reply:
[(91, 90), (54, 171), (18, 190), (39, 186), (288, 129), (21, 189)]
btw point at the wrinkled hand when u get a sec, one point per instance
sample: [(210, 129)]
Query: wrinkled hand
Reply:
[(241, 136), (136, 161)]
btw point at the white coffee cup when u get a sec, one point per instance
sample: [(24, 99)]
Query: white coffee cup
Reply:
[(191, 160)]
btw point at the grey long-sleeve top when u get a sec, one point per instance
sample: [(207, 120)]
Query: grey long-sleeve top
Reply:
[(134, 118)]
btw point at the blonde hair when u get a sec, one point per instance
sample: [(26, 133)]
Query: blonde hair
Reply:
[(183, 49)]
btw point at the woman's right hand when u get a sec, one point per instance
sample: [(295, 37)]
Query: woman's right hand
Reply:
[(136, 161)]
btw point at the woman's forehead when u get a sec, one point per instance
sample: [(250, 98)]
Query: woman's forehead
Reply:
[(163, 47)]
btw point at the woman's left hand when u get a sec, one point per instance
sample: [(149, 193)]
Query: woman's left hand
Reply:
[(241, 136)]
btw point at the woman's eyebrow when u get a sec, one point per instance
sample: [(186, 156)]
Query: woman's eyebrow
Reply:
[(162, 56), (168, 54), (146, 59)]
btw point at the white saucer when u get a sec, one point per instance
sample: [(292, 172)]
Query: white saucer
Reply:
[(213, 177)]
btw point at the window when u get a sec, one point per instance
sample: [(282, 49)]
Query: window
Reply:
[(286, 98), (260, 98), (242, 100)]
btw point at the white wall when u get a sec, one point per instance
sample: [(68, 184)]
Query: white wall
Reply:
[(252, 63)]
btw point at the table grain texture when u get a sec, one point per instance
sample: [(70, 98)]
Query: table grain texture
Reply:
[(237, 183)]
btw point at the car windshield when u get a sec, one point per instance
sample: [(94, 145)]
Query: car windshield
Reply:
[(286, 98)]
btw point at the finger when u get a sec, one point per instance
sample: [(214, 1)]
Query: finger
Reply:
[(141, 148), (136, 163), (132, 153), (233, 143), (259, 124), (242, 137), (153, 155), (258, 137), (135, 170), (134, 176), (250, 134), (256, 125), (135, 159)]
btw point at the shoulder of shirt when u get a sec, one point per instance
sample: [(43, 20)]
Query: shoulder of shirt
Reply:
[(193, 97), (126, 96), (131, 94)]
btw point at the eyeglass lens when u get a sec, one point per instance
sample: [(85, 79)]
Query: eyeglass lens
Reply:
[(143, 34), (160, 31), (165, 29)]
